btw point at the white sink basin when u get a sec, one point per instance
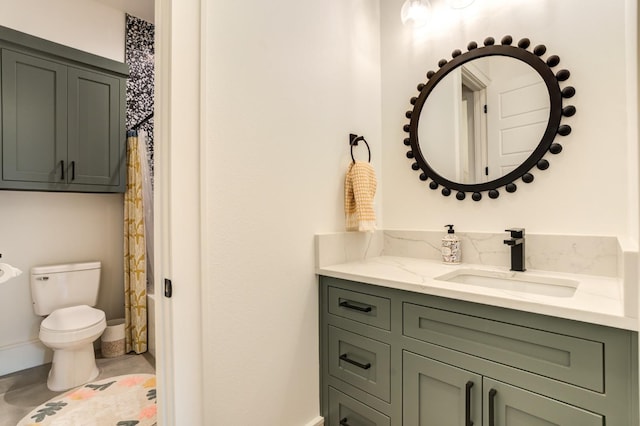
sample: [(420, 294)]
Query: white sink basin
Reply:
[(521, 282)]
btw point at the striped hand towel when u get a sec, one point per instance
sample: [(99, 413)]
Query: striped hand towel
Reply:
[(359, 190)]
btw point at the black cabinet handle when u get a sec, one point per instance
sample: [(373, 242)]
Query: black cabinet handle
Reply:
[(492, 414), (467, 404), (344, 357), (61, 169), (73, 170), (348, 305), (343, 422)]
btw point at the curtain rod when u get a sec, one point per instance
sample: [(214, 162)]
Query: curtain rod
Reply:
[(144, 120)]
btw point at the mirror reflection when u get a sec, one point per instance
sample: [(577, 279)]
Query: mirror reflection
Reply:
[(466, 142)]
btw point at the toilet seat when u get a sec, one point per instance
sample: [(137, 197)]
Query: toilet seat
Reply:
[(72, 318), (72, 324)]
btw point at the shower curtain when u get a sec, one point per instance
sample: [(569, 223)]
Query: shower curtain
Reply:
[(135, 269)]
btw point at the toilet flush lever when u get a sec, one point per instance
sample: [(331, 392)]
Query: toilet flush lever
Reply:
[(168, 288)]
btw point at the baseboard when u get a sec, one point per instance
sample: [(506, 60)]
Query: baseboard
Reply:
[(22, 356), (318, 421)]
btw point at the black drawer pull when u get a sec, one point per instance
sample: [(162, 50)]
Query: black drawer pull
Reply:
[(73, 170), (348, 305), (61, 169), (343, 422), (345, 357), (492, 414), (467, 404)]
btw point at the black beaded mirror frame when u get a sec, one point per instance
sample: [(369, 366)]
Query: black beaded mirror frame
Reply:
[(556, 95)]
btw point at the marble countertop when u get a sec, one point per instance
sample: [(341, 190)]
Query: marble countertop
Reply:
[(597, 299)]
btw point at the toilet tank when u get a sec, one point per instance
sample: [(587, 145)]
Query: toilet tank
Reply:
[(60, 286)]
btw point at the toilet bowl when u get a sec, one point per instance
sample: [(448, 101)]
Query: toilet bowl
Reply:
[(64, 295), (70, 332)]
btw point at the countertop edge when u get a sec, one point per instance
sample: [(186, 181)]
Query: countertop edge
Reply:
[(615, 321)]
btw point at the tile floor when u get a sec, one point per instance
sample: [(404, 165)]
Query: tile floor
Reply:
[(23, 391)]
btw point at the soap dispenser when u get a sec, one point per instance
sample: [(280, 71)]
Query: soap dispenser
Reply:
[(450, 249)]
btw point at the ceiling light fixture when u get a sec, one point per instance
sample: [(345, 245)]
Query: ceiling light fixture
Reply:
[(459, 4), (415, 12)]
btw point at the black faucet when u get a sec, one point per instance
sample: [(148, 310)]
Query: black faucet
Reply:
[(517, 248)]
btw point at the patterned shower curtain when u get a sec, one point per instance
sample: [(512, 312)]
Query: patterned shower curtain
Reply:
[(135, 271)]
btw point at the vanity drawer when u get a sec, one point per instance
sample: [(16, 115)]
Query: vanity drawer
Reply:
[(362, 362), (344, 410), (364, 308), (568, 359)]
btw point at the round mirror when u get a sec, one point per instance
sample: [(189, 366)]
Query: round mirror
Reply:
[(483, 119), (487, 117)]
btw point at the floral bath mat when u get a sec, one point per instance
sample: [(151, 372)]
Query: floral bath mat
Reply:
[(128, 400)]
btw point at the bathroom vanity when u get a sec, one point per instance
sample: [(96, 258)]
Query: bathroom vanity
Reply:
[(403, 344)]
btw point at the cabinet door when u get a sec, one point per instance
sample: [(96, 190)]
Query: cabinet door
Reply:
[(94, 128), (506, 405), (34, 126), (362, 362), (365, 308), (346, 411), (438, 394)]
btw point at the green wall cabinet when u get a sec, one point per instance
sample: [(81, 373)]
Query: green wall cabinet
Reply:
[(391, 357), (62, 116)]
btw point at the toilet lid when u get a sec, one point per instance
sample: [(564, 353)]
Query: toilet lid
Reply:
[(72, 318)]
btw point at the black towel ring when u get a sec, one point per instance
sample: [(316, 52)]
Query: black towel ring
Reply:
[(353, 141)]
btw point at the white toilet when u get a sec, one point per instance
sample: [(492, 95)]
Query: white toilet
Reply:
[(66, 294)]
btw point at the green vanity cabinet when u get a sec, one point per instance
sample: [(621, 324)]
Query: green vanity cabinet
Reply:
[(509, 405), (394, 357), (438, 394), (346, 411), (62, 117)]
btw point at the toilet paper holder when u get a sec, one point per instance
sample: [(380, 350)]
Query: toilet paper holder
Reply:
[(7, 272)]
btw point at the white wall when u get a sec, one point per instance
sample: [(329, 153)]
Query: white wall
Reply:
[(586, 189), (442, 126), (82, 24), (287, 82), (39, 228)]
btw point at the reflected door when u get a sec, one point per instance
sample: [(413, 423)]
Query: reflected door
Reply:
[(517, 115)]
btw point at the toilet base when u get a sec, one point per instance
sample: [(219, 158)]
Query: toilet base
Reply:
[(72, 367)]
